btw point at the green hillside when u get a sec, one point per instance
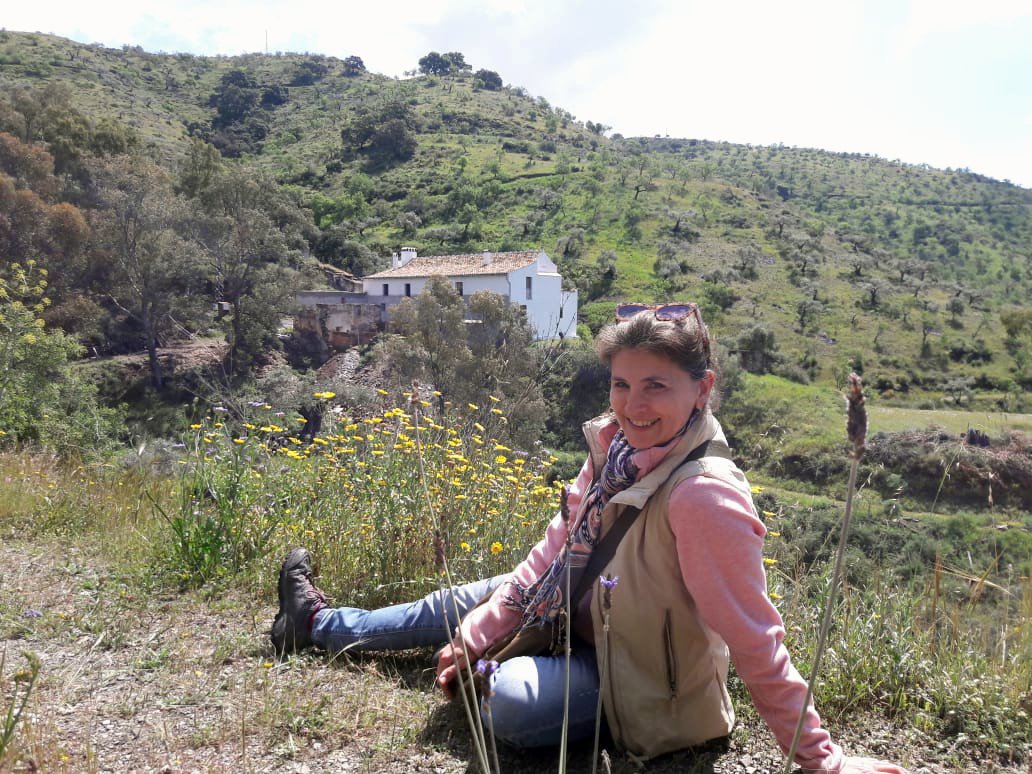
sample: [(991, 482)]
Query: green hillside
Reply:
[(915, 275), (164, 439)]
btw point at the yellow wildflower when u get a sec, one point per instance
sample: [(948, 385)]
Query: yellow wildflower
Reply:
[(496, 548)]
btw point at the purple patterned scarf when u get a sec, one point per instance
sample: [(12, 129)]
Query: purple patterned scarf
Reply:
[(542, 600)]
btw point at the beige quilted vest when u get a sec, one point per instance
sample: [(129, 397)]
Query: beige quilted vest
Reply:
[(664, 687)]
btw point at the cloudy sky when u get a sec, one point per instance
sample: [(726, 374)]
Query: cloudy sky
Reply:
[(941, 82)]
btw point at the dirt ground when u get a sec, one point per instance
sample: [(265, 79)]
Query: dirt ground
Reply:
[(169, 682)]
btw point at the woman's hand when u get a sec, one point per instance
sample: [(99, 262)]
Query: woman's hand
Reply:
[(870, 766), (451, 658)]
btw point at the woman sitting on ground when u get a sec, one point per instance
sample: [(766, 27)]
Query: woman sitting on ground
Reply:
[(692, 588)]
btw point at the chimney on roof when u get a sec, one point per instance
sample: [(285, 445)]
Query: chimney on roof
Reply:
[(488, 256), (407, 254)]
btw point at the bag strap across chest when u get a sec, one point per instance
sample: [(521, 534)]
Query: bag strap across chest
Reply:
[(606, 547)]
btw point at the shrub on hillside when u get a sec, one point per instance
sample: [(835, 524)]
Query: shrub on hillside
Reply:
[(939, 465)]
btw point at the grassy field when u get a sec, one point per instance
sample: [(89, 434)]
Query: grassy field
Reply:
[(892, 419), (147, 599)]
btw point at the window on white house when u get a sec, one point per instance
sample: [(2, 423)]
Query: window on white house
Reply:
[(458, 288), (386, 289), (530, 288), (408, 289)]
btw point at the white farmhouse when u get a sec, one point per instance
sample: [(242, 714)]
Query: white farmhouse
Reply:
[(527, 278)]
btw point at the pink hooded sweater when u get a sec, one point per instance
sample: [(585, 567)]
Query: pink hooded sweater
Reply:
[(720, 551)]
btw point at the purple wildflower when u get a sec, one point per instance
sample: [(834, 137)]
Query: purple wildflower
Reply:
[(256, 403), (31, 612), (608, 584), (179, 446), (221, 409), (487, 667)]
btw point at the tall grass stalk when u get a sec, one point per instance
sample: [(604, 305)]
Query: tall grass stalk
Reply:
[(856, 431), (567, 631), (465, 687), (607, 602), (487, 669)]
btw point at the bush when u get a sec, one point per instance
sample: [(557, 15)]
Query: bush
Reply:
[(366, 495), (792, 372)]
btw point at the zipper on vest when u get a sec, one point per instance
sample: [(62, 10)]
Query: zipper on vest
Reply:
[(671, 653)]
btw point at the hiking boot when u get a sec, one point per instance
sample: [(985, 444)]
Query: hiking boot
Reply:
[(299, 601)]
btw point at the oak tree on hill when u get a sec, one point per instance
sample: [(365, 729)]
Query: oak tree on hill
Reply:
[(353, 65), (456, 60), (47, 114), (434, 64), (153, 272), (251, 236), (384, 131), (488, 79)]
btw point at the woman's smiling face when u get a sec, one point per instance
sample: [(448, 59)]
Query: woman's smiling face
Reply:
[(652, 396)]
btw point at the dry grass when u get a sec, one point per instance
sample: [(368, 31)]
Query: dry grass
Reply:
[(187, 682)]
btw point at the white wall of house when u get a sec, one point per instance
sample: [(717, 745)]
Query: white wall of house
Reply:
[(539, 289), (551, 311)]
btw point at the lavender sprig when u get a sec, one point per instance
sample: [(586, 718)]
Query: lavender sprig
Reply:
[(608, 583), (486, 668)]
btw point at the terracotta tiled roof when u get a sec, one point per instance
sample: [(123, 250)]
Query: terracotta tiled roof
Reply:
[(460, 265)]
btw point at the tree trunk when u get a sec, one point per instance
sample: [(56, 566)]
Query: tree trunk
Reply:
[(157, 378)]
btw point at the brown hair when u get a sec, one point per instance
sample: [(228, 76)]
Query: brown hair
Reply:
[(684, 341)]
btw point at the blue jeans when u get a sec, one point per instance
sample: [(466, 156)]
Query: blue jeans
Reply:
[(527, 692)]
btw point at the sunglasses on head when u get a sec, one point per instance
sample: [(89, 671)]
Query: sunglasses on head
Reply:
[(667, 312), (661, 311)]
